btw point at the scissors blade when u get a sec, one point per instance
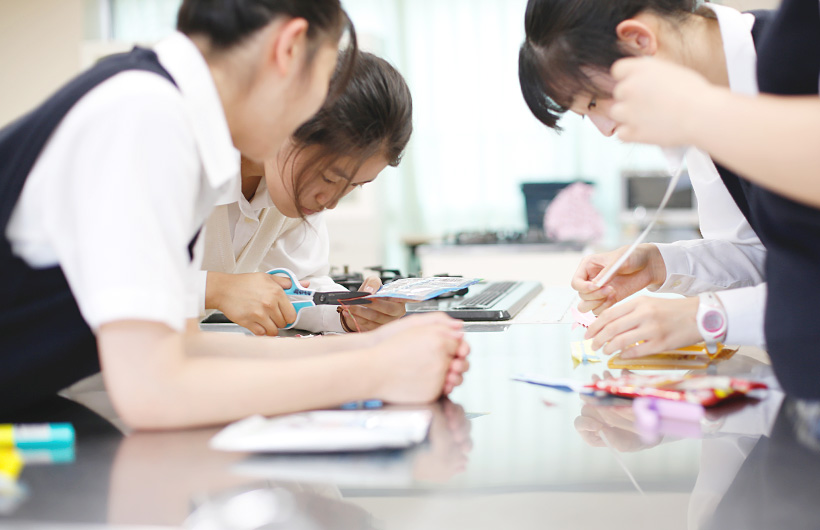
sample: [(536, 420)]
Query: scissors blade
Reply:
[(341, 298)]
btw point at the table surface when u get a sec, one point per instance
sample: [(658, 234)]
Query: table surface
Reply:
[(500, 454)]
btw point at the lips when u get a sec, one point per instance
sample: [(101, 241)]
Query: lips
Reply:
[(307, 212)]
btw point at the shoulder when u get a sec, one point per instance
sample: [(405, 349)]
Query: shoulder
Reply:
[(140, 99)]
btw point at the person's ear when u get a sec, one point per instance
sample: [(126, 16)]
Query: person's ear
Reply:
[(287, 46), (636, 37)]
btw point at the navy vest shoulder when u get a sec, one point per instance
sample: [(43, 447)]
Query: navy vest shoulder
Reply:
[(45, 345)]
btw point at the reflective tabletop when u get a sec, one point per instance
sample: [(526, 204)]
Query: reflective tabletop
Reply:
[(499, 454)]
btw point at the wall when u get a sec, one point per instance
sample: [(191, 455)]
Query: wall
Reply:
[(39, 50)]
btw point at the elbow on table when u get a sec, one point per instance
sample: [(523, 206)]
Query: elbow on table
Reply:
[(147, 409)]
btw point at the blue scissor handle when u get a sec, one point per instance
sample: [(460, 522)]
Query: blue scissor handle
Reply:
[(295, 289)]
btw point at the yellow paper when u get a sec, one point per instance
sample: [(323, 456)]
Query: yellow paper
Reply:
[(693, 357)]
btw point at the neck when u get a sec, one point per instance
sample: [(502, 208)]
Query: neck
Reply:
[(252, 173), (702, 50), (229, 82)]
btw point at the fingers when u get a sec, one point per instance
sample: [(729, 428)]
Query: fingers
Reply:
[(371, 284), (429, 319), (264, 326), (622, 68), (378, 313), (614, 325), (283, 281)]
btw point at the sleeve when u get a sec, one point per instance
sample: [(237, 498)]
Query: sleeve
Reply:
[(703, 265), (305, 249), (745, 311), (729, 256), (123, 216)]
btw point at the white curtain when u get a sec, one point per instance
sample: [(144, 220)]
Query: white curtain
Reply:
[(475, 141)]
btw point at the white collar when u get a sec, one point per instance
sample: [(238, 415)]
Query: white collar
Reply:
[(261, 199), (741, 62), (738, 47), (220, 159)]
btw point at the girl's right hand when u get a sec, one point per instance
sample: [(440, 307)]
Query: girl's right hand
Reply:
[(422, 358), (643, 268), (256, 301)]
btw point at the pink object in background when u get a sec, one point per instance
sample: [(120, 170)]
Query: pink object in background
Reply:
[(572, 217)]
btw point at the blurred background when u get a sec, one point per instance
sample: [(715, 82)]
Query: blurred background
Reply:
[(475, 141)]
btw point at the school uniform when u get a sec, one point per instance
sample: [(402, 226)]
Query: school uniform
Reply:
[(244, 236), (730, 258), (789, 64), (101, 223)]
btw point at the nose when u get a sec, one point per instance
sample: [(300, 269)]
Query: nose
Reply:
[(604, 124), (328, 201)]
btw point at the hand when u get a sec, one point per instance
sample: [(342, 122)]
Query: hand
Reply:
[(459, 364), (378, 312), (659, 324), (657, 102), (644, 267), (449, 444), (422, 358), (256, 301), (615, 422)]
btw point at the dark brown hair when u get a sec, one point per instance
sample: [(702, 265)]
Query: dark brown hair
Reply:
[(567, 40), (227, 23), (372, 116)]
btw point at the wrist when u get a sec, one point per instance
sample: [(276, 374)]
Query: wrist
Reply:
[(657, 267), (213, 290), (711, 102), (345, 326), (712, 320)]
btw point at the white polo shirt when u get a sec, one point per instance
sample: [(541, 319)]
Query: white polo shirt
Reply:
[(730, 258), (122, 187), (238, 241)]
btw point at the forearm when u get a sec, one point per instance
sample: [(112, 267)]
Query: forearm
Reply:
[(769, 140), (234, 345), (182, 381)]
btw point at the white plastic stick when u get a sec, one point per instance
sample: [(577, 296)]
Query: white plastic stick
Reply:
[(621, 462), (600, 282)]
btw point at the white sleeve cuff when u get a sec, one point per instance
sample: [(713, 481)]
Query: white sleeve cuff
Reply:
[(320, 318), (745, 310), (677, 268)]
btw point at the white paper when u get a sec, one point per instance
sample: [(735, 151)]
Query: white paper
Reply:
[(326, 431)]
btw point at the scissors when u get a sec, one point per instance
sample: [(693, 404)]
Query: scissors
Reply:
[(302, 298)]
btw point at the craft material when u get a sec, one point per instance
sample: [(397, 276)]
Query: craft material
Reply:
[(36, 435), (694, 357), (420, 289)]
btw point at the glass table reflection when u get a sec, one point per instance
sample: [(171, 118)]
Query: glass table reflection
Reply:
[(500, 454)]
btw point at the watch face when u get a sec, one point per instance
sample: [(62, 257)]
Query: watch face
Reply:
[(712, 321)]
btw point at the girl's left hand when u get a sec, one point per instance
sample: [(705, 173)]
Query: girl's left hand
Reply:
[(377, 313), (659, 324)]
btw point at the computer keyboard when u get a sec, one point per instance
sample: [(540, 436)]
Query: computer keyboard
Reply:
[(487, 297)]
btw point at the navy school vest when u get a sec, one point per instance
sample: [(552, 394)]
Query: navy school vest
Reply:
[(45, 344), (789, 230)]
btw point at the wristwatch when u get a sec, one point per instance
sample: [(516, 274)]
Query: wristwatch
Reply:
[(711, 320)]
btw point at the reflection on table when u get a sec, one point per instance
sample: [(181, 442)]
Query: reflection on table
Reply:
[(500, 454)]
